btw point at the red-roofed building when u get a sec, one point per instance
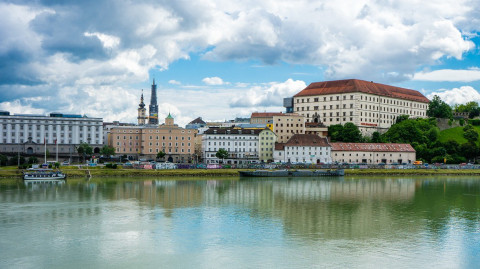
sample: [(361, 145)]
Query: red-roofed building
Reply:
[(303, 148), (371, 106), (372, 153)]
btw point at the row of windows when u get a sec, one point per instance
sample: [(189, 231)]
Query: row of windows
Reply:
[(36, 121), (366, 98)]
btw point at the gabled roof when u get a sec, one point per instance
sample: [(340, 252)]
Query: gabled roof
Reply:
[(198, 121), (356, 85), (307, 140), (279, 146), (388, 147)]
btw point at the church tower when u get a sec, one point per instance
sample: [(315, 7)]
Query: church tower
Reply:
[(142, 112), (153, 108), (169, 120)]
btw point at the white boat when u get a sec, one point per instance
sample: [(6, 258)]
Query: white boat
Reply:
[(43, 174)]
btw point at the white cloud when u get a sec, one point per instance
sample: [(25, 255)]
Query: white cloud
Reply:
[(16, 107), (174, 82), (108, 41), (213, 81), (460, 95), (468, 75), (268, 96)]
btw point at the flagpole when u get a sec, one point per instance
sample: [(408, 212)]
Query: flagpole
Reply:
[(56, 157), (45, 143)]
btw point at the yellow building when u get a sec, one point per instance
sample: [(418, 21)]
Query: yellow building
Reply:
[(146, 141), (266, 145)]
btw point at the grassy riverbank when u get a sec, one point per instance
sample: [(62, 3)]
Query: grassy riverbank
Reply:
[(75, 172)]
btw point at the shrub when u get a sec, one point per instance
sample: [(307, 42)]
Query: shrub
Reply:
[(475, 122), (462, 122)]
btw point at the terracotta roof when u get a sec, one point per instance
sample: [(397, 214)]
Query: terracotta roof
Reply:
[(307, 140), (279, 146), (356, 85), (266, 114), (388, 147)]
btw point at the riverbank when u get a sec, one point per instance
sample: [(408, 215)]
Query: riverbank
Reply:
[(73, 172)]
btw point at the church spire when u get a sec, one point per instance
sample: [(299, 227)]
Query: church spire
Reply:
[(142, 112), (153, 108)]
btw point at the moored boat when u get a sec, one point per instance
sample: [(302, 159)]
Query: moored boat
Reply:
[(292, 173), (41, 174)]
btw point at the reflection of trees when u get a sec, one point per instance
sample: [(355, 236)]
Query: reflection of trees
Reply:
[(438, 200), (314, 209)]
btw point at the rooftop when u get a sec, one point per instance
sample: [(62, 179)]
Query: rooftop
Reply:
[(388, 147), (307, 140), (356, 85)]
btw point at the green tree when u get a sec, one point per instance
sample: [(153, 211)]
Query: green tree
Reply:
[(351, 133), (107, 150), (160, 155), (401, 118), (376, 138), (470, 134), (221, 154), (32, 160), (335, 132), (84, 149), (3, 160), (438, 108)]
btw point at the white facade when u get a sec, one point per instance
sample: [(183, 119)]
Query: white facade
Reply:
[(56, 128), (370, 106), (241, 144), (67, 130), (304, 148), (307, 154)]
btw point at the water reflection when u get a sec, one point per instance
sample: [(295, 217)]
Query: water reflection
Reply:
[(347, 215)]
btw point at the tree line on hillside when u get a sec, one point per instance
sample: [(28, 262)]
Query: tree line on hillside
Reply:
[(423, 134)]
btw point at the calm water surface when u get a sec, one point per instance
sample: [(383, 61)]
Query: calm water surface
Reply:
[(329, 223)]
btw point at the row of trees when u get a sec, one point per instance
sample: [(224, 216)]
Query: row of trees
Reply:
[(422, 134), (439, 109)]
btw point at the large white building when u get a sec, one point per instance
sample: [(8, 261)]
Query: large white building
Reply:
[(303, 148), (25, 133), (241, 144), (370, 106)]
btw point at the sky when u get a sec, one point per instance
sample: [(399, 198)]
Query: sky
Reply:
[(221, 59)]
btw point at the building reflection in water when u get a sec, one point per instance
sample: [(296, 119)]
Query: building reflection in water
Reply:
[(314, 209)]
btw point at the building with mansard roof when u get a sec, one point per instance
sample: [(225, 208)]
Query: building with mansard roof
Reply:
[(370, 106), (241, 144)]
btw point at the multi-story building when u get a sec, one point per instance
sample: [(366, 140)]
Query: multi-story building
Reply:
[(266, 145), (304, 148), (146, 141), (370, 106), (286, 125), (27, 134), (372, 153), (241, 145)]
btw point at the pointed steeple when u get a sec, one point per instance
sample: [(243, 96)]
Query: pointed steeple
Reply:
[(142, 104), (153, 108)]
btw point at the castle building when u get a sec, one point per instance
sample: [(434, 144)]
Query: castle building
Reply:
[(153, 107), (370, 106)]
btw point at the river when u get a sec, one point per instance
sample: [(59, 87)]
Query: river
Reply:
[(351, 222)]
